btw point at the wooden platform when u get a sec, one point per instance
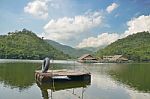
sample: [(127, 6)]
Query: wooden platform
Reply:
[(61, 75)]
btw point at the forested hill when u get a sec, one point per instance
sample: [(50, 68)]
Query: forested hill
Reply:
[(26, 45), (68, 50), (135, 47)]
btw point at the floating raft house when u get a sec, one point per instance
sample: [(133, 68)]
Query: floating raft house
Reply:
[(61, 75)]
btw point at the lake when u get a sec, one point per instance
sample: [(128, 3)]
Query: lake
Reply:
[(108, 81)]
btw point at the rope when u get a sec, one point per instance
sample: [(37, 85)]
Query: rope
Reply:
[(82, 66), (86, 69)]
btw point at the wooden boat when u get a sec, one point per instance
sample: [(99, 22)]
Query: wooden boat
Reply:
[(61, 75)]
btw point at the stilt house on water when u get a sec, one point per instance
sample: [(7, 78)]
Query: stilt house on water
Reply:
[(87, 58)]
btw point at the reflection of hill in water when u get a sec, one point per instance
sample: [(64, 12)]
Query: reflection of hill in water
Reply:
[(17, 75), (134, 75)]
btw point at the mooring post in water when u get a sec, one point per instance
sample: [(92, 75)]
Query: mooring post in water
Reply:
[(51, 94), (52, 65), (82, 92), (74, 64)]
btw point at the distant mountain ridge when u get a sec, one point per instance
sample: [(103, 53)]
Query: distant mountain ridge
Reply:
[(26, 45), (135, 47), (93, 49), (68, 50)]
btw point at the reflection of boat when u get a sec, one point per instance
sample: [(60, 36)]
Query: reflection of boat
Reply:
[(57, 86), (66, 85)]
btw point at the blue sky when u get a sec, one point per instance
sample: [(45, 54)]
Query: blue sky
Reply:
[(78, 23)]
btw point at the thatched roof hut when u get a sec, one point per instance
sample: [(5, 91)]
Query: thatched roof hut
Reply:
[(87, 58)]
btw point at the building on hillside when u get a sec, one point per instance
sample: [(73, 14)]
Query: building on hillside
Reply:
[(115, 58), (87, 58)]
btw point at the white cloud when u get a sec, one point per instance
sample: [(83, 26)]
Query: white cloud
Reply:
[(67, 28), (37, 8), (142, 23), (139, 24), (101, 40), (112, 7)]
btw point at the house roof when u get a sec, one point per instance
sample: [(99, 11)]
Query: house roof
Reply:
[(85, 55), (115, 57)]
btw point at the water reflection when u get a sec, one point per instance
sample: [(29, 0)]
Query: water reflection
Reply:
[(20, 74), (58, 86), (134, 75), (17, 75), (109, 81)]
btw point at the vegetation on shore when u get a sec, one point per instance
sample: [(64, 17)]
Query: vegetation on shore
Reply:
[(135, 47), (26, 45)]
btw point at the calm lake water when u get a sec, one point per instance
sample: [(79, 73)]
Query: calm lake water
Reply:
[(109, 81)]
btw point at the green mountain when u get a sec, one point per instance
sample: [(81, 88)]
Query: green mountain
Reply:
[(68, 50), (26, 45), (135, 47)]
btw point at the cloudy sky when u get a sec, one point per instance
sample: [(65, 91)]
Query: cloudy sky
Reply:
[(78, 23)]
